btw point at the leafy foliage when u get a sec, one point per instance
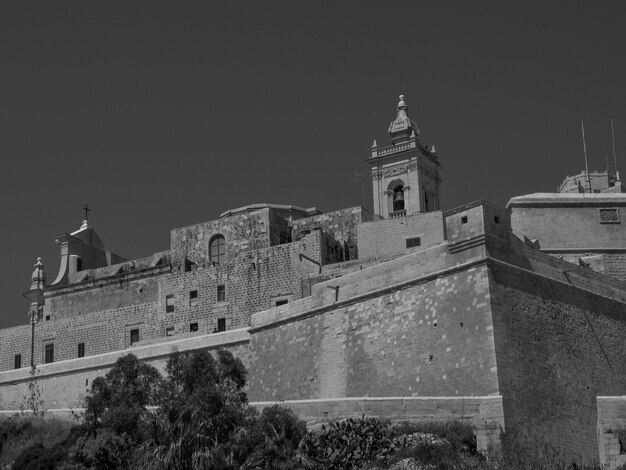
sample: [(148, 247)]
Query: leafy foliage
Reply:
[(352, 443)]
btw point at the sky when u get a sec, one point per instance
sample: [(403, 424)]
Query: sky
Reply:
[(164, 114)]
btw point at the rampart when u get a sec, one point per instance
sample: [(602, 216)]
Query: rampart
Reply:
[(479, 314)]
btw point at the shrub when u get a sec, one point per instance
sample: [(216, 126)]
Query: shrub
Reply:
[(21, 433), (353, 443)]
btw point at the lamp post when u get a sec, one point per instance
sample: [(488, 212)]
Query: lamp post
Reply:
[(35, 295)]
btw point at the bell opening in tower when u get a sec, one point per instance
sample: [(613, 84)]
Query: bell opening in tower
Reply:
[(398, 198)]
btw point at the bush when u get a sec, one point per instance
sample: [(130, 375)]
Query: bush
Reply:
[(19, 434), (353, 443)]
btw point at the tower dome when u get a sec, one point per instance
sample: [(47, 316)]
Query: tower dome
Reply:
[(402, 128)]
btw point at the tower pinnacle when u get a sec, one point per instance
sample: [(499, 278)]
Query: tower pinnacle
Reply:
[(402, 128)]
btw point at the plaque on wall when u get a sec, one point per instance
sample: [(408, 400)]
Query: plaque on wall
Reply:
[(609, 216)]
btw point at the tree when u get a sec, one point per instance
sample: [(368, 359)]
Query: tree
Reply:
[(201, 408), (116, 417)]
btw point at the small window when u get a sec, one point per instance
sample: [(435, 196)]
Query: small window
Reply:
[(221, 293), (464, 219), (169, 303), (281, 302), (193, 298), (134, 336), (413, 242), (496, 219), (49, 353), (47, 317), (18, 361), (169, 331), (193, 327), (79, 264), (81, 349), (217, 249), (221, 324)]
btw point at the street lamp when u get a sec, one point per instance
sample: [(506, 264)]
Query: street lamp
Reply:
[(35, 295)]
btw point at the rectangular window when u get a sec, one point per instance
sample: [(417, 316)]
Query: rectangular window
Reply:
[(18, 361), (464, 219), (49, 353), (134, 336), (47, 317), (169, 303), (221, 324), (193, 298), (193, 327), (221, 293), (281, 302), (79, 264), (81, 349), (413, 242), (169, 331), (496, 219)]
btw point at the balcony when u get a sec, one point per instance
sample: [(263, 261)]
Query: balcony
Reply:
[(400, 213)]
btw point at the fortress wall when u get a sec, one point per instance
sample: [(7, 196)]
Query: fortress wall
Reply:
[(250, 230), (432, 338), (387, 237), (100, 295), (569, 223), (253, 281), (64, 384), (615, 265), (341, 225), (558, 347), (611, 419)]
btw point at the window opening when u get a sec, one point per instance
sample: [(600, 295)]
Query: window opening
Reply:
[(217, 249), (221, 293), (81, 349), (464, 219), (169, 331), (193, 327), (18, 361), (134, 336), (193, 298), (413, 242), (221, 324), (79, 264), (49, 353), (169, 303), (281, 302)]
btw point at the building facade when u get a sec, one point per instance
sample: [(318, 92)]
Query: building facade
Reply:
[(490, 314)]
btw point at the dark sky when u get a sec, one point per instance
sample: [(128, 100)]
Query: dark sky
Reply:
[(164, 114)]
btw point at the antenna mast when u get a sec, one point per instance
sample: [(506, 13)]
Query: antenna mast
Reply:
[(614, 157), (582, 128)]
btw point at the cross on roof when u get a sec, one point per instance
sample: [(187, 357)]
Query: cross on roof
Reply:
[(86, 209)]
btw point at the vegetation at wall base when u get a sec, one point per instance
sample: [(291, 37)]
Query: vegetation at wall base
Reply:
[(202, 420)]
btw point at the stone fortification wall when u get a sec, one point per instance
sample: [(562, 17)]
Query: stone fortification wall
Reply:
[(559, 344), (101, 314), (341, 225), (398, 236), (64, 384), (247, 231), (611, 420), (431, 336), (575, 226)]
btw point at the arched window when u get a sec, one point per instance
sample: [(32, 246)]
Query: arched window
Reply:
[(398, 198), (217, 249)]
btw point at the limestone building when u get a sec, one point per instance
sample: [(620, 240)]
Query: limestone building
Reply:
[(509, 317)]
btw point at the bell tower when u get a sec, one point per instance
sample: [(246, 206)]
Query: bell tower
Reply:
[(405, 173)]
